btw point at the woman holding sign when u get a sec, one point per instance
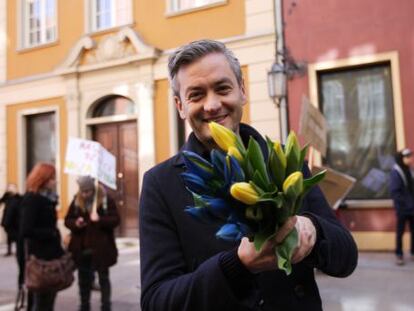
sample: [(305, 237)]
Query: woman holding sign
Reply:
[(91, 218)]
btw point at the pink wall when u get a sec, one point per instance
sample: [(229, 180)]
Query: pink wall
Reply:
[(333, 29)]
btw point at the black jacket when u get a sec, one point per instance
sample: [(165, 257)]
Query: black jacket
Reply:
[(38, 226), (11, 214), (184, 267), (96, 237)]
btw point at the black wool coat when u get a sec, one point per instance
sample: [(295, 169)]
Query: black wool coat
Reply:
[(96, 238), (11, 214), (185, 268), (38, 226)]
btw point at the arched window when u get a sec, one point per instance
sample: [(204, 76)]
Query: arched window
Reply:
[(114, 105)]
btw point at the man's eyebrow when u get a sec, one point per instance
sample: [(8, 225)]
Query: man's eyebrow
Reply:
[(223, 80), (193, 88)]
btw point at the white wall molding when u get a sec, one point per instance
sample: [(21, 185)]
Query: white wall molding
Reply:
[(3, 38)]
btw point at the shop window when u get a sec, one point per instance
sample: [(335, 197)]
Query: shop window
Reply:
[(105, 14), (183, 5), (358, 106), (40, 139), (39, 22)]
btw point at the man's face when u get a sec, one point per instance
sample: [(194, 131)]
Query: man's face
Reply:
[(209, 91)]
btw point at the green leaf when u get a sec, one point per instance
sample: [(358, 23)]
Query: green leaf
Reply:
[(198, 201), (276, 169), (259, 180), (308, 183), (261, 238), (303, 155), (254, 213), (284, 251), (255, 156)]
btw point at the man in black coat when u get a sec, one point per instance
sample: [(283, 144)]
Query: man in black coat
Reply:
[(183, 267)]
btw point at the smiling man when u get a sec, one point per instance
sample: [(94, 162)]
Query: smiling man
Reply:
[(183, 267)]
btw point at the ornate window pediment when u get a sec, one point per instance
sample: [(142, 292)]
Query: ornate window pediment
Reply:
[(122, 47)]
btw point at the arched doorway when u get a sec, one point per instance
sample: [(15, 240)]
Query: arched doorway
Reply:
[(113, 123)]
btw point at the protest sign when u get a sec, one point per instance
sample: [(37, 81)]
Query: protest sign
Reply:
[(335, 186), (313, 126), (89, 158)]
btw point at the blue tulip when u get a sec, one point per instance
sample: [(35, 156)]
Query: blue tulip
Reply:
[(197, 165), (195, 183), (217, 207), (218, 159), (229, 232), (201, 214), (234, 169)]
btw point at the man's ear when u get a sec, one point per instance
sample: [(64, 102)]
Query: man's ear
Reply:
[(180, 107), (243, 91)]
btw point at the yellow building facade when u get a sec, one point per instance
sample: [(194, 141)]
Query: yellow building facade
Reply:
[(98, 70)]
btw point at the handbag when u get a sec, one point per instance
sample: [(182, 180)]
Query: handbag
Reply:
[(49, 275)]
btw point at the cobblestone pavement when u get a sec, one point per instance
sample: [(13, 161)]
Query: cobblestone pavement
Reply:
[(376, 285)]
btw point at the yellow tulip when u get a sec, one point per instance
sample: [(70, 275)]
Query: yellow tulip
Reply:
[(294, 182), (244, 192), (233, 151), (292, 143), (279, 153), (223, 137)]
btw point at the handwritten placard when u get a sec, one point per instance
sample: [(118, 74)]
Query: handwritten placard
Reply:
[(89, 158)]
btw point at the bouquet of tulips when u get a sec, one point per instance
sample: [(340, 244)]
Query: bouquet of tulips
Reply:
[(250, 195)]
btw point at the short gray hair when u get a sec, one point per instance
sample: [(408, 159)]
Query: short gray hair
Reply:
[(195, 50)]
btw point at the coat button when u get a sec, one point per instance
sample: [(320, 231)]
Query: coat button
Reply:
[(300, 291)]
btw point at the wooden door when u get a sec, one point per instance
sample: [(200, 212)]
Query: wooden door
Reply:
[(121, 140)]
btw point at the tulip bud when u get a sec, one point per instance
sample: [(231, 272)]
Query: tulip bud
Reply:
[(233, 151), (245, 193), (279, 152), (293, 185), (223, 137), (292, 152)]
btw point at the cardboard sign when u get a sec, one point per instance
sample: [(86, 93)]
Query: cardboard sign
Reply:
[(89, 158), (335, 186), (313, 126)]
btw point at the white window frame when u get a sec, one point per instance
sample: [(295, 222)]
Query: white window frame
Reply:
[(91, 15), (24, 24), (174, 6)]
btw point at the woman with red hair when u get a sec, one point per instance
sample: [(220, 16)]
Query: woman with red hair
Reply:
[(39, 219)]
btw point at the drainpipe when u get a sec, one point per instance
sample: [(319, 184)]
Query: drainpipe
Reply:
[(280, 59)]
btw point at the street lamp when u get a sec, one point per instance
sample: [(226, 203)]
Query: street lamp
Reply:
[(283, 68), (276, 82)]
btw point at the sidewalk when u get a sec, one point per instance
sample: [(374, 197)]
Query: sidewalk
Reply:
[(124, 278), (376, 285)]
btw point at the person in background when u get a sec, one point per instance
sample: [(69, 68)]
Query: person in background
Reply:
[(38, 227), (10, 221), (183, 267), (402, 193), (93, 243)]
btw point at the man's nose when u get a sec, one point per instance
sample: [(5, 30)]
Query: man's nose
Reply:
[(212, 103)]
